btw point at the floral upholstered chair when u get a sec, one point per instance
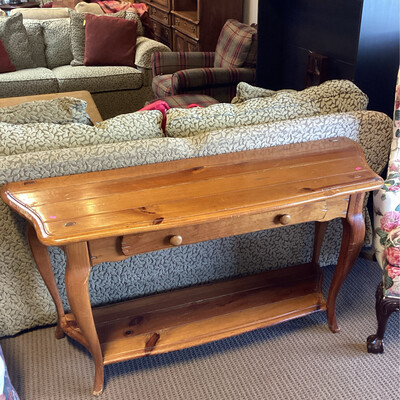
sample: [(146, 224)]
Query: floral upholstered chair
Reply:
[(215, 74), (387, 236)]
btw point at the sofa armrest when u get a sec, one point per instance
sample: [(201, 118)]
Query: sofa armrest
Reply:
[(168, 63), (145, 48), (210, 77)]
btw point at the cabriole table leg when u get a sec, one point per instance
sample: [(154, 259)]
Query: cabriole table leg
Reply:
[(42, 259), (352, 239), (77, 288)]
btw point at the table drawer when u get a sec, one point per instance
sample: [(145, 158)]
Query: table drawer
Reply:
[(185, 26), (163, 33), (160, 15), (235, 225)]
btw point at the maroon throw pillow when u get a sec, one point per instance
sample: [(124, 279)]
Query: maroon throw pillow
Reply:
[(109, 41), (5, 63)]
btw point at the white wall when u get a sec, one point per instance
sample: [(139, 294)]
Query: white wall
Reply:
[(250, 10)]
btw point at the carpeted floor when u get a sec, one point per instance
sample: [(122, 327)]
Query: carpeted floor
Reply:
[(300, 359)]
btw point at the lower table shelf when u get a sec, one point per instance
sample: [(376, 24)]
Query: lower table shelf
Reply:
[(201, 314)]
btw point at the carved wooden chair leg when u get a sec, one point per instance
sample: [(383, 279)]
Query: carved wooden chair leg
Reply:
[(384, 309)]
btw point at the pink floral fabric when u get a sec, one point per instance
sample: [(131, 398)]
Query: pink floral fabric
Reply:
[(387, 213)]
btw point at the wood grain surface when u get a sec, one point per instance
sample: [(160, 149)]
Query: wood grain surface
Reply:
[(180, 193)]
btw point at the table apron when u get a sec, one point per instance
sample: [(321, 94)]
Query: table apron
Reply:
[(121, 247)]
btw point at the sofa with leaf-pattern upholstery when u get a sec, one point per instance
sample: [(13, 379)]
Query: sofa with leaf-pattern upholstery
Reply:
[(257, 118)]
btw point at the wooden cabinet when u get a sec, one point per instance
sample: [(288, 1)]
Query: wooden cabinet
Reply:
[(184, 43), (360, 39), (191, 25)]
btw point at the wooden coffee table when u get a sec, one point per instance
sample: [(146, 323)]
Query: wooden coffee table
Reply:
[(91, 107), (112, 215)]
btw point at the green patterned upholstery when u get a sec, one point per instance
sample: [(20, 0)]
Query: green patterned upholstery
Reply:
[(26, 82), (34, 137), (330, 97), (15, 39), (97, 79)]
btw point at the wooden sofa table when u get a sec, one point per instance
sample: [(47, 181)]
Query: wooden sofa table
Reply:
[(112, 215)]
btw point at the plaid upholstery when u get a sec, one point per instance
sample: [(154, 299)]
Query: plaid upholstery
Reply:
[(177, 73), (184, 100), (161, 85), (233, 44), (251, 59), (170, 62), (219, 83), (200, 77)]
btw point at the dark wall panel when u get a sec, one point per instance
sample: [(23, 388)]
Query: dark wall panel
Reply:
[(360, 39)]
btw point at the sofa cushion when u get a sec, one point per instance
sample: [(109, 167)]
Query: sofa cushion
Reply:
[(97, 79), (329, 97), (36, 41), (56, 34), (109, 41), (233, 44), (28, 82), (92, 8), (27, 138), (62, 110), (245, 91), (5, 63), (13, 35), (161, 85)]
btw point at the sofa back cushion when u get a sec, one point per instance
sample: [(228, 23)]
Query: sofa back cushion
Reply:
[(245, 91), (56, 34), (62, 110), (15, 39), (330, 97), (234, 43), (27, 138), (42, 13), (37, 45)]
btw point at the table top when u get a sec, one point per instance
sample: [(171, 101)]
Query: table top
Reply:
[(91, 107), (145, 198)]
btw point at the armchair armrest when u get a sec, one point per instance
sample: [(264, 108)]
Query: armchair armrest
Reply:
[(210, 77), (145, 48), (168, 63)]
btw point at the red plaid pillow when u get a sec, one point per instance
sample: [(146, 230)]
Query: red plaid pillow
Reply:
[(233, 44)]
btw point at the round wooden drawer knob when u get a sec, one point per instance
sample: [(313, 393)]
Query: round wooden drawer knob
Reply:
[(176, 240), (284, 219)]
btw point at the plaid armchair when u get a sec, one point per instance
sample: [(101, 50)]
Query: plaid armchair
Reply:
[(387, 235), (212, 73)]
